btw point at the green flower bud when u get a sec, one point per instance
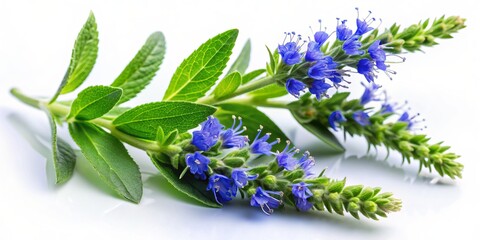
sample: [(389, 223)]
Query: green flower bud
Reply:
[(353, 207), (234, 162), (334, 196), (370, 206), (423, 151), (270, 181), (405, 146)]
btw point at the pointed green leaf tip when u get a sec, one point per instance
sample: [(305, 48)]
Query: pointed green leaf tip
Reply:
[(84, 55), (141, 70), (241, 63), (199, 72), (109, 158), (143, 121), (94, 102)]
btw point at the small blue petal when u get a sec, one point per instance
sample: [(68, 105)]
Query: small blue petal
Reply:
[(336, 117), (361, 118), (198, 164), (294, 87)]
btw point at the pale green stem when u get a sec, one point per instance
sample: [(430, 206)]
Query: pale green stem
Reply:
[(241, 90), (63, 111), (261, 103)]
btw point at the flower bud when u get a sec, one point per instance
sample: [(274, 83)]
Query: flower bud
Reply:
[(353, 207), (405, 146), (270, 181), (423, 151), (370, 206), (234, 162)]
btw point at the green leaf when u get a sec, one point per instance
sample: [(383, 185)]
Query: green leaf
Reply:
[(241, 63), (228, 85), (143, 121), (141, 70), (321, 132), (252, 75), (84, 55), (64, 157), (252, 119), (270, 91), (94, 102), (109, 158), (188, 185), (199, 72)]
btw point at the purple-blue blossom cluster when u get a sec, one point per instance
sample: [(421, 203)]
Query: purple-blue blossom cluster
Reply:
[(372, 94), (225, 187), (326, 70)]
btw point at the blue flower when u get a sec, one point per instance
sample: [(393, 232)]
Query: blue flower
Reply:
[(221, 187), (352, 45), (363, 26), (313, 52), (294, 87), (198, 164), (343, 32), (370, 93), (378, 55), (321, 37), (365, 67), (323, 68), (208, 135), (240, 178), (285, 158), (301, 193), (306, 163), (260, 145), (387, 108), (303, 204), (300, 190), (231, 137), (336, 117), (319, 88), (376, 51), (361, 118), (267, 203), (405, 117), (290, 51)]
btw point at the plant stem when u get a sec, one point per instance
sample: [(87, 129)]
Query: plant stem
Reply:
[(62, 111), (261, 103), (241, 90)]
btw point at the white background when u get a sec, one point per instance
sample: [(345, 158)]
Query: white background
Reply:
[(35, 44)]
